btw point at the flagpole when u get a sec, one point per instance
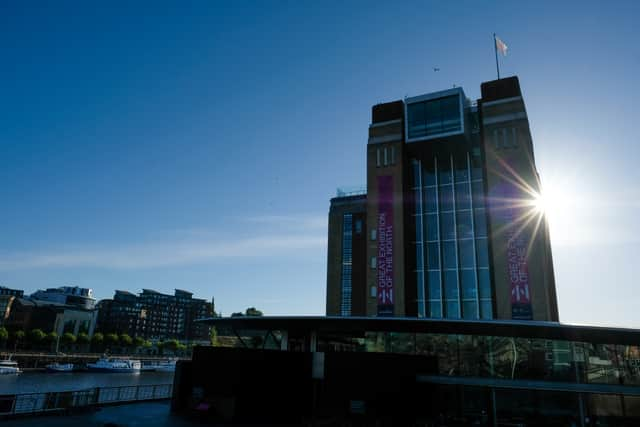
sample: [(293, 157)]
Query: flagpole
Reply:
[(495, 48)]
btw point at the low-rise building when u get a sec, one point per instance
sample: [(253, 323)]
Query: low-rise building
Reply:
[(28, 314)]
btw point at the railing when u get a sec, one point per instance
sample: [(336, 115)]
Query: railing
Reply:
[(66, 400)]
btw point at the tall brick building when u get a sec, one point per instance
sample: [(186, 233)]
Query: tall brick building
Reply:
[(450, 224)]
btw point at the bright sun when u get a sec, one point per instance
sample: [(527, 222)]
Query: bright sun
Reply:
[(557, 205)]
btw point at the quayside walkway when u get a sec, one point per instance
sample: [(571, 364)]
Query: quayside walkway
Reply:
[(144, 414), (67, 402)]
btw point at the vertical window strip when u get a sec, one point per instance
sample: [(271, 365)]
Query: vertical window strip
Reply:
[(473, 233), (347, 258), (437, 176), (455, 236), (420, 278), (377, 157)]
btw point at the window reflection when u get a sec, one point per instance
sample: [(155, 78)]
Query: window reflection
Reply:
[(463, 198), (435, 291), (431, 227)]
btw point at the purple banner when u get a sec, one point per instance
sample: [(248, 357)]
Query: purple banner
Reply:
[(385, 246), (505, 201)]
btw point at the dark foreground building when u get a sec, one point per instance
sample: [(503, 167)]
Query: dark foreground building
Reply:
[(399, 371), (449, 223)]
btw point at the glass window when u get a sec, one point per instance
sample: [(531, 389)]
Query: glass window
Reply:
[(418, 219), (433, 256), (480, 222), (416, 120), (417, 200), (483, 252), (431, 200), (444, 169), (476, 165), (486, 310), (416, 173), (446, 198), (484, 283), (433, 117), (420, 282), (419, 257), (435, 309), (469, 310), (449, 255), (451, 284), (464, 227), (450, 110), (431, 227), (463, 200), (453, 310), (462, 172), (435, 289), (428, 173), (478, 194), (466, 253), (469, 290), (448, 231)]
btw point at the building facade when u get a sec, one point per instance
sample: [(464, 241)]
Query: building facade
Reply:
[(72, 295), (153, 315), (347, 243), (7, 296), (28, 313), (452, 225)]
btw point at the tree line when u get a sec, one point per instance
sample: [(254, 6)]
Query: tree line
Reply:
[(38, 340)]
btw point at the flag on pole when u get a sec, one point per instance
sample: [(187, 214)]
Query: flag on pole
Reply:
[(501, 46)]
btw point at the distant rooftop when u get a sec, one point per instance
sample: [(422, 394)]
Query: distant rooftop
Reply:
[(351, 191)]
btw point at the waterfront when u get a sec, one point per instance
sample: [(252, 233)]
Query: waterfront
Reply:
[(42, 382)]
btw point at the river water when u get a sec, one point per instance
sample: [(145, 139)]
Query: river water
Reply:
[(42, 382)]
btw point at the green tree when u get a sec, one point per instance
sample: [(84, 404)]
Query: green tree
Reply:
[(18, 339), (237, 314), (213, 337), (83, 338), (4, 334), (126, 341), (68, 339), (97, 340), (171, 345), (51, 339), (138, 342), (252, 311), (83, 341), (111, 339), (36, 337)]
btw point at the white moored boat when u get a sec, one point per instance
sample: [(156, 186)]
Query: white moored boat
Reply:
[(60, 367), (115, 365), (8, 367), (164, 366), (168, 366)]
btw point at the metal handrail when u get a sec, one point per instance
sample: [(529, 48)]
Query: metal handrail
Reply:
[(29, 403)]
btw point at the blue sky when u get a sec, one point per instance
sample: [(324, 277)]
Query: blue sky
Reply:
[(196, 145)]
